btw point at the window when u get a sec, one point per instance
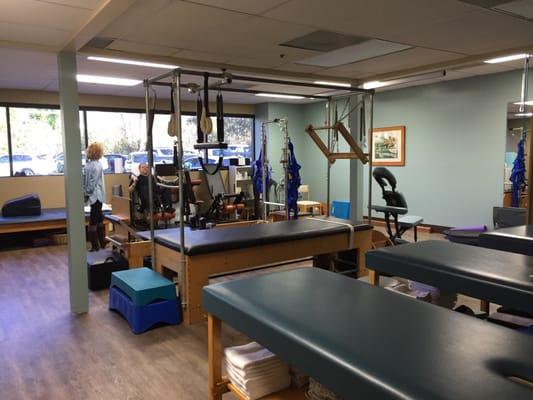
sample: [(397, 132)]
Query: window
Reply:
[(4, 150), (123, 135), (36, 140), (238, 134)]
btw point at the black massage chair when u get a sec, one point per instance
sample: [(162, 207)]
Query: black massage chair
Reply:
[(395, 207)]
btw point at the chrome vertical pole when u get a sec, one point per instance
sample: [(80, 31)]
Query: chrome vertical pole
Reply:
[(328, 179), (264, 166), (525, 76), (150, 153), (176, 82), (370, 144), (284, 125)]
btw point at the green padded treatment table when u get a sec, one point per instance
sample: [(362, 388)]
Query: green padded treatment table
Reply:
[(373, 344), (143, 286), (516, 239), (496, 276)]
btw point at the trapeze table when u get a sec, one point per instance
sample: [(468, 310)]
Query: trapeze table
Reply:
[(398, 349), (215, 251)]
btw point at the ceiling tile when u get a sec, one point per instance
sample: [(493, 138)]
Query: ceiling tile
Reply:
[(124, 45), (478, 32), (87, 4), (523, 8), (134, 19), (174, 24), (378, 18), (244, 6), (293, 67), (24, 83), (201, 56), (43, 14), (33, 35), (410, 58)]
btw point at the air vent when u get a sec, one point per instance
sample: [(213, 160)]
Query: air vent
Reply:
[(323, 41), (100, 42)]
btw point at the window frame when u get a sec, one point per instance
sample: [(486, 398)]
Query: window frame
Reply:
[(84, 109)]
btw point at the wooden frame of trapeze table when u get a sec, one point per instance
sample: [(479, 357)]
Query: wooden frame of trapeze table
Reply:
[(355, 153), (198, 268)]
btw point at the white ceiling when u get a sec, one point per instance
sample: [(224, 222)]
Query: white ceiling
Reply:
[(246, 35)]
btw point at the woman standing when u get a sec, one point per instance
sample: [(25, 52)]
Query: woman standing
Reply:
[(94, 192)]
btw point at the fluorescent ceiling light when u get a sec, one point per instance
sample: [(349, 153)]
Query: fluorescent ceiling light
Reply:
[(107, 80), (513, 57), (524, 114), (373, 84), (342, 84), (407, 79), (527, 103), (280, 96), (133, 62)]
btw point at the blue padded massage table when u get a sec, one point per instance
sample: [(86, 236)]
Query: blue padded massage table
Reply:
[(221, 250), (396, 349), (50, 218), (516, 239), (492, 275)]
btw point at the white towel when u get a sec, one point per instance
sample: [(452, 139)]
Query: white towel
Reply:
[(259, 389), (247, 355), (258, 369), (273, 373)]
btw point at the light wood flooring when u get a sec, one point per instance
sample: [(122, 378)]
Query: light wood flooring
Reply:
[(48, 353)]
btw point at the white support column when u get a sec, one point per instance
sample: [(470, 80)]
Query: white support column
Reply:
[(356, 168), (77, 250)]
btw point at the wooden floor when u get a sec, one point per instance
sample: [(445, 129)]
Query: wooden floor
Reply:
[(48, 353)]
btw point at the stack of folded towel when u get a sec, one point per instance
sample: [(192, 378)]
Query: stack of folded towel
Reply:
[(255, 371)]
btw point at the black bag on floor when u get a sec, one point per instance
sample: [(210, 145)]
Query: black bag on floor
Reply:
[(24, 206), (101, 264)]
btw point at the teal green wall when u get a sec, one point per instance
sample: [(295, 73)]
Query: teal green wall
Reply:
[(455, 144)]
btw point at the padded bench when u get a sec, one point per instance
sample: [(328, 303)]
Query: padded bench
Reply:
[(50, 218), (398, 349), (516, 239), (493, 275), (222, 250)]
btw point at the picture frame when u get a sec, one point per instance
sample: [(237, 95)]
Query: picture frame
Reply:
[(388, 146)]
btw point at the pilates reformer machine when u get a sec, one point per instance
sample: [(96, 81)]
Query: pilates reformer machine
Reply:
[(188, 257)]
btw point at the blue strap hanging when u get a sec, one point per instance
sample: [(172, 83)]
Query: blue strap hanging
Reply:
[(518, 175), (257, 174), (294, 181)]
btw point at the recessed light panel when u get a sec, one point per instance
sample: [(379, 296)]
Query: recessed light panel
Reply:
[(362, 51)]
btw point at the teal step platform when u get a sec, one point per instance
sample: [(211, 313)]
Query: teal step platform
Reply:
[(142, 318), (143, 286)]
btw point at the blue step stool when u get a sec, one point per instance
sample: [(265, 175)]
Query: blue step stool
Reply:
[(142, 318), (143, 286), (144, 298)]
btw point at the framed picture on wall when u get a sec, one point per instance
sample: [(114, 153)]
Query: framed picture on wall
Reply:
[(388, 146)]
